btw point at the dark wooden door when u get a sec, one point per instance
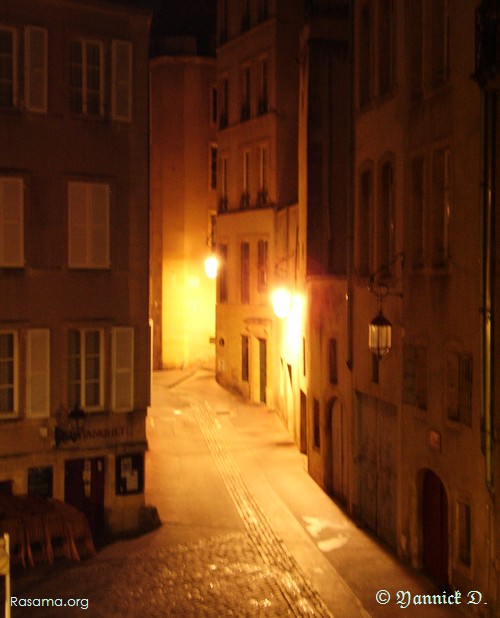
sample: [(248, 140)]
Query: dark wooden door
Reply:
[(84, 489), (435, 529)]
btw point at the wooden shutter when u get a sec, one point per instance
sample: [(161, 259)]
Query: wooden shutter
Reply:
[(122, 359), (35, 78), (11, 222), (38, 372), (121, 101), (99, 225)]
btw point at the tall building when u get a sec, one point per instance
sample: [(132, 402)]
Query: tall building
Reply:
[(383, 364), (74, 331), (183, 203), (257, 83)]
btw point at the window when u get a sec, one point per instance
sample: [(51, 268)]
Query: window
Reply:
[(316, 425), (263, 173), (8, 67), (245, 271), (213, 166), (262, 257), (441, 206), (86, 78), (386, 47), (35, 77), (439, 26), (222, 273), (244, 358), (11, 222), (245, 18), (263, 103), (245, 93), (464, 532), (332, 361), (213, 105), (88, 225), (34, 56), (8, 374), (85, 369), (223, 119), (223, 203), (459, 387), (416, 233), (416, 47), (365, 55), (245, 197), (415, 376), (121, 80), (385, 216), (364, 226)]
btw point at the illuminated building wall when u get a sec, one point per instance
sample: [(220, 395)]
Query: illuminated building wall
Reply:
[(183, 204)]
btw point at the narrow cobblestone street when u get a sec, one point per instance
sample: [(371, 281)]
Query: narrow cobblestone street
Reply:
[(245, 530)]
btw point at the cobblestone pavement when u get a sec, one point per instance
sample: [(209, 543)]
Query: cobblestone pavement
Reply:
[(249, 573)]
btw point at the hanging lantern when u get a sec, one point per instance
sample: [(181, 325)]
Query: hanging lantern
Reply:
[(211, 266), (282, 302), (379, 335)]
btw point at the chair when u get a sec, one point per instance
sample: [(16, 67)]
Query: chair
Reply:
[(58, 539), (37, 543), (14, 528), (79, 534)]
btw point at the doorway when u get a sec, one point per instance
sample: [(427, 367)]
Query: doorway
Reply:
[(262, 370), (435, 529), (84, 489)]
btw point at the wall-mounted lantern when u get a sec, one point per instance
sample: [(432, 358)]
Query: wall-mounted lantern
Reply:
[(282, 302), (211, 266), (379, 334)]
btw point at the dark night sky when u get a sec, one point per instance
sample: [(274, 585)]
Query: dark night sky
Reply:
[(181, 17)]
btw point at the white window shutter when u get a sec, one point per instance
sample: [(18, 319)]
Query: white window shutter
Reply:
[(35, 78), (121, 101), (77, 225), (38, 372), (99, 225), (122, 359), (11, 222)]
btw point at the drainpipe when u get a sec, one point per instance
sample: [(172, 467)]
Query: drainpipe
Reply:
[(489, 102)]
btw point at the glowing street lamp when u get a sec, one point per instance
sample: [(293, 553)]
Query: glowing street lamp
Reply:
[(379, 334), (282, 301), (211, 266)]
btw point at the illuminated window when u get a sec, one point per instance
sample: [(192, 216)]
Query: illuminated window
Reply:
[(88, 225), (86, 78)]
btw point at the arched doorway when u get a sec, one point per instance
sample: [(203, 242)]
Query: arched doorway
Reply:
[(434, 529)]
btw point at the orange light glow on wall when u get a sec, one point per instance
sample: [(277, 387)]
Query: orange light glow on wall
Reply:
[(281, 300)]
